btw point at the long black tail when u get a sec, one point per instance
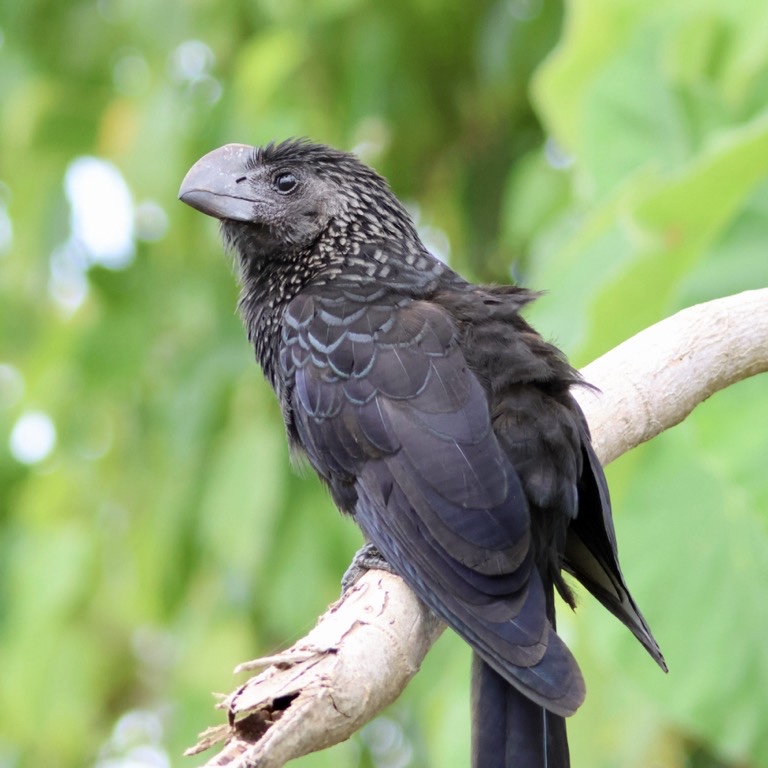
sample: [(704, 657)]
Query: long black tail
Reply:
[(508, 729)]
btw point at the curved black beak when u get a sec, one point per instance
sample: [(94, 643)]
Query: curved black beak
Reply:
[(217, 184)]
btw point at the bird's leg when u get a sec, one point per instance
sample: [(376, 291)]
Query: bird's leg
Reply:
[(367, 558)]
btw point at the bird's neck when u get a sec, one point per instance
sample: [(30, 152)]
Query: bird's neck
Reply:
[(344, 253), (269, 282)]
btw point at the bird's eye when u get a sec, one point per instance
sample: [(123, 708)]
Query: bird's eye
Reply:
[(285, 183)]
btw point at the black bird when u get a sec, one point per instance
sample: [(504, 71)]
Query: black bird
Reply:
[(437, 418)]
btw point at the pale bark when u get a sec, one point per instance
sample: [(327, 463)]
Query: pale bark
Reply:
[(655, 379), (369, 644)]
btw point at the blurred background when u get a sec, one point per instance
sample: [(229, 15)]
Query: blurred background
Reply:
[(152, 532)]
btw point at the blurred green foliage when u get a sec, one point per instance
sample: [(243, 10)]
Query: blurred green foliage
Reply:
[(614, 152)]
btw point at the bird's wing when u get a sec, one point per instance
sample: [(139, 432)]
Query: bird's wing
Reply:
[(591, 552), (393, 419)]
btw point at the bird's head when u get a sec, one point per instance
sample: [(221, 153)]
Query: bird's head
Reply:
[(282, 197)]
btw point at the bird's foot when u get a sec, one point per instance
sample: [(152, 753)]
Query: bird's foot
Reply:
[(367, 558)]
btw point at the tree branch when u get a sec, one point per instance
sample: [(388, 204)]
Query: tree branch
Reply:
[(369, 644), (655, 379)]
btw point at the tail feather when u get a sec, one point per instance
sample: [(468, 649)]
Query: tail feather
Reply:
[(508, 729)]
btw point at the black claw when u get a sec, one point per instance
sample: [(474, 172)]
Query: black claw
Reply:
[(367, 558)]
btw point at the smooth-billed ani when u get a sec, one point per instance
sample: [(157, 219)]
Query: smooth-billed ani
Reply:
[(437, 417)]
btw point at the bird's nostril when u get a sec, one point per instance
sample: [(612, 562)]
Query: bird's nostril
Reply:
[(242, 178)]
